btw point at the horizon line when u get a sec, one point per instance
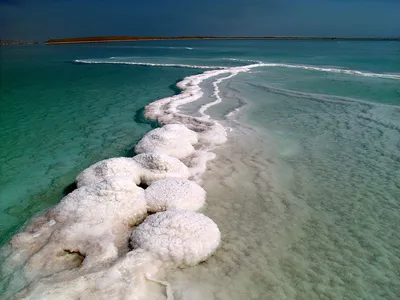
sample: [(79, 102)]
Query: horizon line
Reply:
[(120, 38)]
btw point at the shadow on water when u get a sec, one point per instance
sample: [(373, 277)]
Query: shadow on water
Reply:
[(173, 87), (131, 152), (70, 188), (141, 119)]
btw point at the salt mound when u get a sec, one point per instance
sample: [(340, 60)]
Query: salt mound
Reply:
[(174, 193), (209, 133), (182, 237), (155, 166), (116, 199), (129, 278), (119, 166), (174, 140), (182, 131), (143, 168), (212, 133), (89, 226)]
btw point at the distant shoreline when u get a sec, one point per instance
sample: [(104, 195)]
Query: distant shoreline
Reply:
[(112, 39), (109, 39)]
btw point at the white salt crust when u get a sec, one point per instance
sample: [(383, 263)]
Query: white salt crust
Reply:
[(142, 169), (86, 229), (127, 278), (175, 140), (118, 166), (184, 238), (156, 166), (174, 193)]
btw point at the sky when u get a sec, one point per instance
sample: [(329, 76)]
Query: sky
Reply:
[(44, 19)]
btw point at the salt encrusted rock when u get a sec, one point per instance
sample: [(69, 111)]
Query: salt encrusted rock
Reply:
[(174, 139), (118, 166), (91, 224), (127, 278), (155, 166), (174, 193), (116, 199), (180, 130), (178, 236), (141, 169)]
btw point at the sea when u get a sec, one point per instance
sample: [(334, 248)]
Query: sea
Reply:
[(305, 192)]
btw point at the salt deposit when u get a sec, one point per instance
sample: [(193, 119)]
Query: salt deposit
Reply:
[(118, 166), (86, 229), (155, 166), (184, 238), (174, 193), (173, 139), (131, 277)]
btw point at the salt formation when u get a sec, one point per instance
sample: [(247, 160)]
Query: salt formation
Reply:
[(87, 228), (128, 278), (165, 111), (80, 248), (174, 193), (155, 166), (174, 139), (118, 166), (141, 169), (210, 133), (184, 238), (114, 199)]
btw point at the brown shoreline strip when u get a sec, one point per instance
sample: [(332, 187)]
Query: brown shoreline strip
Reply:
[(111, 39), (107, 39)]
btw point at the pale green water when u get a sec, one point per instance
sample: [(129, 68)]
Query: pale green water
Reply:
[(57, 118)]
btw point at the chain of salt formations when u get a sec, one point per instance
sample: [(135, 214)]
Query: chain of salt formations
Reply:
[(100, 242)]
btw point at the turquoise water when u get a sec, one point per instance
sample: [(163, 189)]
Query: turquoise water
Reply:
[(307, 199), (58, 117)]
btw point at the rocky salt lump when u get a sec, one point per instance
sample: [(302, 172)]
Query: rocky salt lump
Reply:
[(184, 238), (174, 193)]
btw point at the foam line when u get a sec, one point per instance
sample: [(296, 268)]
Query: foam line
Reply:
[(255, 64), (242, 60), (333, 70), (91, 61)]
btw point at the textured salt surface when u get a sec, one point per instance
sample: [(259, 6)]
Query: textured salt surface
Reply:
[(183, 237), (173, 139), (174, 193)]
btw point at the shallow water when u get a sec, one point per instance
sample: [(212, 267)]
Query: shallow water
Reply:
[(58, 117), (309, 208), (306, 190)]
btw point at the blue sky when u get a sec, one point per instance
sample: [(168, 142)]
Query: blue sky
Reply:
[(44, 19)]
